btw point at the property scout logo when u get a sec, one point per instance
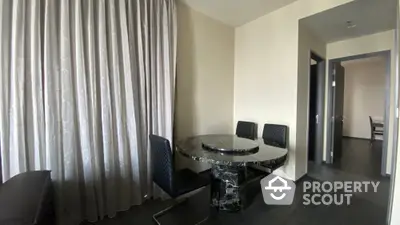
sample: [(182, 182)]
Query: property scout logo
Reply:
[(279, 191)]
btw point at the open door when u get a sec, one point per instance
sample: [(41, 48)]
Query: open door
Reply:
[(313, 114), (316, 109), (337, 111), (319, 123)]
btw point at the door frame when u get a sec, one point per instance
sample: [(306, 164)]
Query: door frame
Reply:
[(329, 142), (390, 210), (320, 104)]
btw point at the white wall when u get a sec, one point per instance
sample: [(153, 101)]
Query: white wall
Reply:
[(205, 57), (307, 42), (266, 74), (364, 94), (362, 45)]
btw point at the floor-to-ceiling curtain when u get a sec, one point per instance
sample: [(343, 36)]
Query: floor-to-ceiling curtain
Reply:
[(82, 85)]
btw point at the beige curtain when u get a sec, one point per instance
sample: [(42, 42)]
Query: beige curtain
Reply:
[(82, 85)]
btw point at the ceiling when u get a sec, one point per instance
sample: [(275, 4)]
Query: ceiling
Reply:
[(236, 12), (368, 16)]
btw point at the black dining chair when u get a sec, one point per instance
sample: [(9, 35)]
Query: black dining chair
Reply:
[(275, 135), (174, 183), (246, 129)]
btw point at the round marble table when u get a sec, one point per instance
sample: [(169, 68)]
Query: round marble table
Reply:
[(229, 155)]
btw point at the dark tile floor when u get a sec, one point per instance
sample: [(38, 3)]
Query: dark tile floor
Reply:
[(365, 208), (360, 157), (360, 161)]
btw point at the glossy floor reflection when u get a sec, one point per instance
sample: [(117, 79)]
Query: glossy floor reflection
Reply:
[(360, 161), (360, 157), (366, 208), (361, 211)]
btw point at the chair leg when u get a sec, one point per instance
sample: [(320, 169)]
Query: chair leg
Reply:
[(177, 203), (202, 221), (164, 211)]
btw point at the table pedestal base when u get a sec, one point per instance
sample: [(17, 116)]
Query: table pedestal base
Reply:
[(225, 188)]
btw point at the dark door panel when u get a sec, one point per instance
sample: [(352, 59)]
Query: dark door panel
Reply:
[(312, 113), (319, 125), (337, 116)]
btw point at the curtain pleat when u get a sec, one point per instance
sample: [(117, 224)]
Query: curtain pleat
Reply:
[(82, 85), (17, 89), (5, 6)]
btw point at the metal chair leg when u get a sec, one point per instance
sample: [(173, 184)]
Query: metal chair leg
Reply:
[(177, 203), (162, 212), (202, 221), (372, 138)]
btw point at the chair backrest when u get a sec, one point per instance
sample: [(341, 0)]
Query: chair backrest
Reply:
[(275, 135), (246, 129), (371, 123), (162, 163)]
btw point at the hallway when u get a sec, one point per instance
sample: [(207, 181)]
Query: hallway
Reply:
[(360, 162), (360, 157)]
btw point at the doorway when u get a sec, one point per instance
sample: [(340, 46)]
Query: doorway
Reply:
[(348, 31), (316, 108), (354, 107)]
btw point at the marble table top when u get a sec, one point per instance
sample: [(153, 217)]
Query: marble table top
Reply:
[(229, 150)]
